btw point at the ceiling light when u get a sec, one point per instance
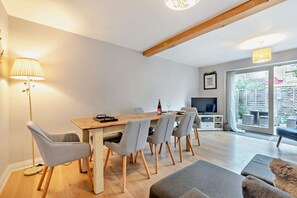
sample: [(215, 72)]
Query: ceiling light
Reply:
[(262, 41), (180, 4), (262, 55)]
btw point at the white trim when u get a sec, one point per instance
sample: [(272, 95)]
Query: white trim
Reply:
[(14, 167)]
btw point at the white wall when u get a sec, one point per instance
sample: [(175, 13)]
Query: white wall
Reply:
[(221, 69), (4, 93), (84, 77)]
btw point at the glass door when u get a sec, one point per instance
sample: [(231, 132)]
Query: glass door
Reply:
[(252, 101)]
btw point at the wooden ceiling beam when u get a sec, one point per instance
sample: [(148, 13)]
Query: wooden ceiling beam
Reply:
[(235, 14)]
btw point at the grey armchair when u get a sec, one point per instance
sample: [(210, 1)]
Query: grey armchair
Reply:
[(57, 149), (184, 129), (133, 140), (162, 134), (196, 123)]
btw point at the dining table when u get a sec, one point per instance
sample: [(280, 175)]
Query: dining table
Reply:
[(92, 126)]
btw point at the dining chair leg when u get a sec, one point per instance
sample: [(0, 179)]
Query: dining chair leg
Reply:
[(42, 177), (135, 158), (169, 150), (124, 160), (131, 158), (151, 147), (189, 142), (89, 173), (48, 180), (174, 142), (160, 148), (197, 136), (180, 150), (156, 158), (106, 159), (92, 153), (79, 166), (145, 165)]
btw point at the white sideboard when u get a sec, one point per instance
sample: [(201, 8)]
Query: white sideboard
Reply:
[(211, 122)]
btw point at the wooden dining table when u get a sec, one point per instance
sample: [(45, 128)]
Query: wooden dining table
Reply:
[(97, 129)]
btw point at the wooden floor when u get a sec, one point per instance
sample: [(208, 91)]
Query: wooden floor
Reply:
[(224, 149)]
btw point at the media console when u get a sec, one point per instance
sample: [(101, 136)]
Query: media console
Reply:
[(211, 122)]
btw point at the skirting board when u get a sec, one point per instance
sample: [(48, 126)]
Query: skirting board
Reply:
[(16, 166)]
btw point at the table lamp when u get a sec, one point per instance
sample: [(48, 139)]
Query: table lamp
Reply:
[(28, 70)]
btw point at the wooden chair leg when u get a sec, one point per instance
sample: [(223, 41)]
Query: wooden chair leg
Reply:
[(156, 158), (145, 165), (189, 142), (42, 177), (136, 155), (89, 173), (169, 150), (151, 147), (195, 133), (180, 150), (48, 180), (160, 148), (197, 136), (131, 158), (106, 159), (124, 160), (79, 166), (174, 142), (92, 153)]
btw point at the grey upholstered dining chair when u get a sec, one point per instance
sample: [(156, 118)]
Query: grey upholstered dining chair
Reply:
[(162, 134), (184, 129), (138, 110), (133, 140), (57, 149), (196, 123)]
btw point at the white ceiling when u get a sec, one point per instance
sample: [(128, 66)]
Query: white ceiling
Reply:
[(140, 24)]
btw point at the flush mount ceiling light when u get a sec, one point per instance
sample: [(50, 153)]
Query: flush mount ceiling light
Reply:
[(262, 41), (180, 4)]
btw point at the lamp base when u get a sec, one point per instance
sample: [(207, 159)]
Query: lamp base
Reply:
[(33, 170)]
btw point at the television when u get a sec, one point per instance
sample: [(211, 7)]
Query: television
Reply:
[(205, 105)]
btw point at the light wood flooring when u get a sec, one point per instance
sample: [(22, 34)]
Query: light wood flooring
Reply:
[(227, 150)]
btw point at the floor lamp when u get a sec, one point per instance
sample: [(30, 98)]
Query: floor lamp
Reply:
[(28, 70)]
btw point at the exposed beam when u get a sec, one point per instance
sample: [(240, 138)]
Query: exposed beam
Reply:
[(235, 14)]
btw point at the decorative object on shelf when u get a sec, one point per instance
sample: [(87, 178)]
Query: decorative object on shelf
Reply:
[(180, 4), (28, 70), (262, 55), (210, 80), (1, 48)]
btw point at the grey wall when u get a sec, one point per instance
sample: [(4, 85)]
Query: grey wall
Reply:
[(85, 77), (221, 69), (4, 93)]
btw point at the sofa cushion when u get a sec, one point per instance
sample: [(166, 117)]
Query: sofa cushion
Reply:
[(210, 179), (194, 193), (256, 188), (259, 167)]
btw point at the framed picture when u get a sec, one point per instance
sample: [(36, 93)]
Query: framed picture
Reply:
[(210, 80)]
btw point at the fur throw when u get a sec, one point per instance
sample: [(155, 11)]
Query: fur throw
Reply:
[(285, 176)]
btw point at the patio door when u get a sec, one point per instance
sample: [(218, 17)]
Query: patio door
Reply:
[(254, 100)]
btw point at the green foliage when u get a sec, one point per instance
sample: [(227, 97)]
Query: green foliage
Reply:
[(295, 73), (242, 109)]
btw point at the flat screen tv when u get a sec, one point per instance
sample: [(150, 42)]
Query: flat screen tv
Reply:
[(204, 105)]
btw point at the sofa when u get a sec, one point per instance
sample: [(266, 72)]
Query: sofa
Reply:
[(203, 179)]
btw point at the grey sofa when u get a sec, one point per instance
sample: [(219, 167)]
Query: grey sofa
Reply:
[(203, 179)]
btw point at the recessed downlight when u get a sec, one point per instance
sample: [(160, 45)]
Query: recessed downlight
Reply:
[(262, 41)]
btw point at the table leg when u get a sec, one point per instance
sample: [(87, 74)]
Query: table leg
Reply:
[(85, 138), (98, 160)]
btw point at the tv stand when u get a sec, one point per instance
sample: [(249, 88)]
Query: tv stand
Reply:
[(211, 122)]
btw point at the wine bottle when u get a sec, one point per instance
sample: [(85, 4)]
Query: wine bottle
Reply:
[(159, 108)]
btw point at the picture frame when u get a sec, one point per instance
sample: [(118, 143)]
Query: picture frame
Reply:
[(210, 80)]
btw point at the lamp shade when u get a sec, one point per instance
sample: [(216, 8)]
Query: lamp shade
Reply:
[(180, 4), (26, 69), (262, 55)]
